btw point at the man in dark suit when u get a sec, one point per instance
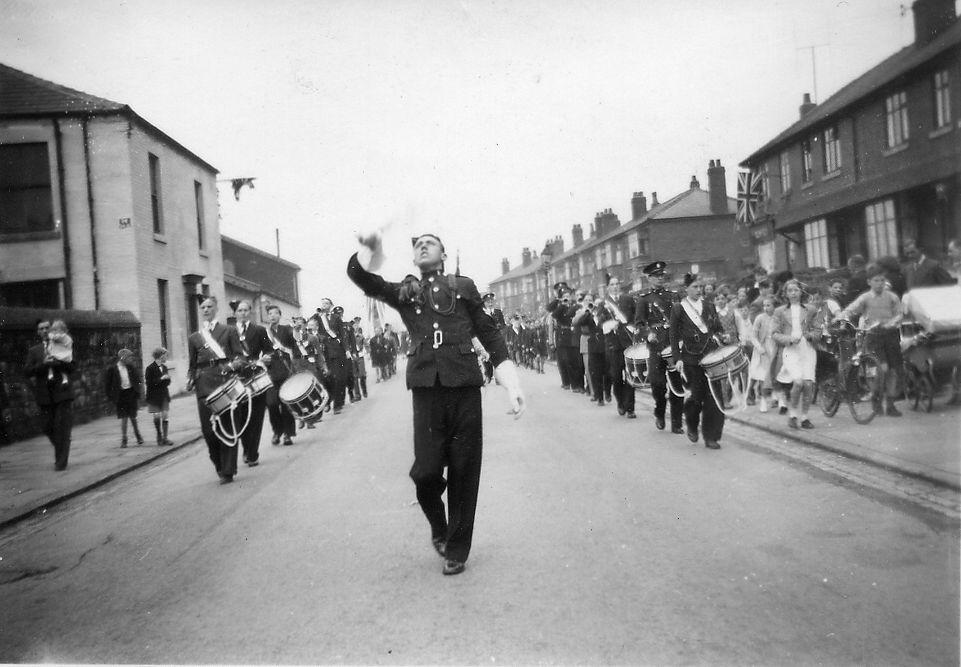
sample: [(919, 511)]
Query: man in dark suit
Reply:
[(922, 271), (695, 330), (491, 309), (54, 396), (653, 319), (614, 317), (443, 313), (283, 352), (213, 354), (256, 347), (335, 351)]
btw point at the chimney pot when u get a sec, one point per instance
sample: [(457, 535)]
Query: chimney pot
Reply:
[(654, 201), (806, 105), (695, 184)]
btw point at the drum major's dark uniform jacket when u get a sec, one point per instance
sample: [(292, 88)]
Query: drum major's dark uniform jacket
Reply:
[(616, 341), (567, 343), (442, 313), (208, 371)]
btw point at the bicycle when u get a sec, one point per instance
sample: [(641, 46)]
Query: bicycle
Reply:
[(854, 378)]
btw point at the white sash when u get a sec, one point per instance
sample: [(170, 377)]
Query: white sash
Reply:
[(694, 315), (326, 324), (278, 345), (211, 343)]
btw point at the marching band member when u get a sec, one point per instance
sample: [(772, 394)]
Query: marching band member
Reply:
[(567, 347), (442, 312), (213, 354), (256, 346), (694, 331), (310, 354), (494, 311), (653, 317), (331, 335), (619, 336), (283, 352)]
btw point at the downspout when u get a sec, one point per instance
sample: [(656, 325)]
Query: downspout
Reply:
[(67, 281), (93, 218)]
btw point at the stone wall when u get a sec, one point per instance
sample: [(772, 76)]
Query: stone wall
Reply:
[(97, 336)]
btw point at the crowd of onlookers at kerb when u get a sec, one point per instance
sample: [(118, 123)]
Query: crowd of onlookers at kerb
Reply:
[(781, 322)]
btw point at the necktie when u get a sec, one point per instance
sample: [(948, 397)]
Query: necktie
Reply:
[(243, 330)]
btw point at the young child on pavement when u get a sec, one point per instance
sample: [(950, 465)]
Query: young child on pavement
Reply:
[(60, 347), (762, 354)]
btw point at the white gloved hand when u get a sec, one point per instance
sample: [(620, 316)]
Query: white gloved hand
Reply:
[(371, 253), (506, 376)]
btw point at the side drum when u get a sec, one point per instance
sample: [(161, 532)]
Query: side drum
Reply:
[(225, 396), (722, 361), (259, 382), (635, 365), (305, 396)]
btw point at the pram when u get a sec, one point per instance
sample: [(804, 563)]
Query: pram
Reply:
[(931, 344)]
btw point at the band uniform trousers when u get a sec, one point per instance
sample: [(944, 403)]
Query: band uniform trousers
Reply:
[(281, 419), (337, 383), (700, 406), (448, 431), (622, 391), (57, 423), (251, 436), (223, 457), (597, 373), (657, 375)]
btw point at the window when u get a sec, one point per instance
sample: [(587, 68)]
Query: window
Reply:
[(896, 109), (191, 304), (633, 244), (816, 243), (199, 203), (644, 244), (619, 253), (785, 172), (164, 304), (580, 265), (32, 294), (26, 198), (881, 227), (942, 98), (598, 257), (832, 150), (765, 182), (807, 162), (156, 208)]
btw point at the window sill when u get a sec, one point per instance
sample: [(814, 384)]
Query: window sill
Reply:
[(831, 174), (204, 253), (27, 237), (159, 238), (895, 149), (940, 132), (807, 184)]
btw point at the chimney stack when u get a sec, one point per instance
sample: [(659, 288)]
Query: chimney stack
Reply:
[(638, 205), (717, 187), (806, 105), (931, 18), (695, 184), (505, 266), (526, 257), (577, 234), (654, 201)]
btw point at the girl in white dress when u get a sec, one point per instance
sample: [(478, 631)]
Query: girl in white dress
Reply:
[(794, 331), (762, 353)]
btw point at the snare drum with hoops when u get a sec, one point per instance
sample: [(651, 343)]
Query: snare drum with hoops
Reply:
[(635, 364), (729, 359), (225, 396), (305, 396), (259, 382)]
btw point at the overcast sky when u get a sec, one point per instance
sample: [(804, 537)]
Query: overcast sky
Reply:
[(496, 125)]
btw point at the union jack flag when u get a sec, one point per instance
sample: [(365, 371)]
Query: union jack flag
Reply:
[(749, 190)]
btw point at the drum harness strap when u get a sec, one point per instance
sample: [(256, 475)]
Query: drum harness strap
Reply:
[(211, 343)]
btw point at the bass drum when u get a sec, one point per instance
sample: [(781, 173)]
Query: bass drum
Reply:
[(635, 365), (305, 396)]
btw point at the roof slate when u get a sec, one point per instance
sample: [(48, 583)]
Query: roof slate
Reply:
[(865, 85), (25, 94)]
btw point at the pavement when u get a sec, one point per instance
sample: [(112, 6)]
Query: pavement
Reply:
[(922, 445)]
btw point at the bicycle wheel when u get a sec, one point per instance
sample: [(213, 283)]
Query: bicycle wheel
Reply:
[(863, 389), (828, 398)]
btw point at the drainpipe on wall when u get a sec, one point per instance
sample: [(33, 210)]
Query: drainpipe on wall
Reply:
[(67, 281), (93, 218)]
